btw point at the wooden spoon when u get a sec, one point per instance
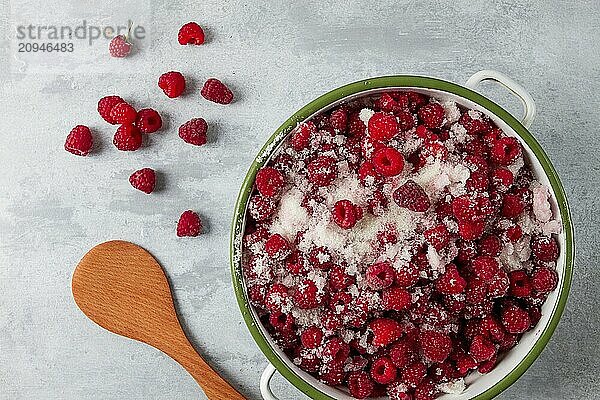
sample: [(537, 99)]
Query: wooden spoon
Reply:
[(122, 288)]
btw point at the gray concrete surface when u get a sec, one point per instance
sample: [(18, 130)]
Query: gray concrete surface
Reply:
[(277, 56)]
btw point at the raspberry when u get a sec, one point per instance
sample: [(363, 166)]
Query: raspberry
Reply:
[(295, 263), (514, 233), (502, 178), (490, 245), (406, 120), (214, 90), (464, 363), (432, 115), (339, 279), (128, 138), (402, 353), (335, 351), (143, 179), (189, 224), (436, 346), (482, 349), (385, 331), (471, 230), (256, 294), (190, 33), (544, 280), (382, 126), (451, 282), (425, 391), (106, 104), (438, 237), (339, 120), (277, 297), (307, 296), (388, 161), (485, 267), (412, 196), (322, 171), (281, 322), (333, 375), (478, 181), (119, 46), (386, 103), (499, 284), (414, 374), (379, 275), (520, 285), (360, 385), (396, 298), (312, 337), (368, 175), (278, 247), (172, 83), (345, 214), (416, 100), (492, 328), (505, 150), (512, 206), (148, 120), (476, 291), (474, 126), (407, 276), (194, 131), (544, 248), (320, 258), (398, 391), (356, 127), (79, 141), (123, 113), (383, 370), (261, 208), (468, 208), (514, 319), (269, 182), (487, 366)]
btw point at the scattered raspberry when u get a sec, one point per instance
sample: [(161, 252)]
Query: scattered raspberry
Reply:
[(278, 247), (544, 280), (471, 230), (490, 245), (79, 141), (356, 127), (339, 279), (385, 331), (474, 126), (269, 182), (383, 370), (123, 113), (396, 298), (412, 196), (416, 100), (128, 138), (379, 275), (383, 126), (485, 267), (345, 214), (172, 83), (498, 285), (432, 115), (312, 337), (190, 33), (520, 285), (106, 104), (426, 390), (148, 120), (514, 233), (502, 178), (322, 171), (216, 91), (438, 237), (436, 346), (368, 175), (388, 161), (194, 131), (402, 354), (301, 136), (261, 208), (307, 295), (544, 248), (512, 206), (414, 374), (277, 297), (505, 150), (281, 322), (515, 320), (360, 385), (339, 120), (320, 258), (333, 376), (335, 352), (119, 47), (189, 224), (406, 121), (451, 282), (143, 179), (482, 349)]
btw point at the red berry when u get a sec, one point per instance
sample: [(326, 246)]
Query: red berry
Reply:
[(194, 131), (322, 171), (128, 138), (407, 276), (505, 150), (471, 230), (269, 182), (320, 258), (499, 284), (335, 352), (382, 126), (432, 115), (396, 298), (339, 120), (451, 282), (345, 214), (383, 370), (261, 208), (123, 113), (490, 245), (148, 120), (514, 319), (312, 337), (379, 275), (339, 279), (520, 285), (544, 248), (79, 141), (300, 138), (482, 349), (333, 375), (106, 104), (277, 297), (474, 126), (214, 90), (436, 346), (360, 385), (426, 390), (544, 280), (402, 353), (388, 161), (512, 206), (438, 237), (502, 178), (386, 103), (514, 233), (416, 100), (368, 175), (189, 224), (278, 247), (412, 196), (307, 295), (356, 127), (385, 331), (281, 322), (172, 83), (143, 179), (190, 33), (119, 47), (485, 267), (406, 120), (414, 374)]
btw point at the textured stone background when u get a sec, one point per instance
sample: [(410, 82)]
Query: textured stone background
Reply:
[(277, 56)]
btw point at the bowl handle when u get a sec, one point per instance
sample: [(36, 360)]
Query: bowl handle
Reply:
[(512, 86), (265, 380)]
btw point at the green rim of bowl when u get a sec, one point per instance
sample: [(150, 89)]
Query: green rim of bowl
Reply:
[(397, 81)]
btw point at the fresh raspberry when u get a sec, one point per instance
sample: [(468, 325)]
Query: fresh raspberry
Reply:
[(339, 279), (148, 120), (502, 178), (398, 391), (383, 370), (335, 351), (322, 171), (388, 161), (485, 267), (414, 374), (379, 275), (295, 263), (454, 304), (356, 127), (368, 175), (482, 349), (396, 298), (143, 179), (320, 257), (385, 331), (432, 115), (406, 120), (487, 366), (307, 360), (514, 319), (345, 214), (505, 150), (128, 138), (189, 224), (256, 294), (474, 126), (300, 138), (123, 113), (214, 90), (339, 120), (119, 47), (386, 103), (492, 329), (407, 276), (277, 297), (416, 100), (312, 337), (478, 181), (499, 284), (520, 285), (470, 230), (433, 150), (261, 208), (476, 290), (451, 282), (426, 390), (269, 182), (402, 354), (544, 248), (412, 196), (382, 126), (512, 206), (436, 346), (333, 375), (172, 83), (514, 233), (360, 385), (438, 236), (278, 247), (468, 208), (281, 322), (79, 141), (307, 295), (190, 33), (544, 280), (464, 363), (535, 314), (194, 131), (106, 104), (490, 245)]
